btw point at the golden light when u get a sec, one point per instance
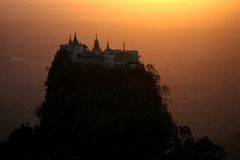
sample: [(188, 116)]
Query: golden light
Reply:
[(145, 14), (169, 13)]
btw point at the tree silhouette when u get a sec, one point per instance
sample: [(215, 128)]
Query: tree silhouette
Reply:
[(92, 112), (185, 134)]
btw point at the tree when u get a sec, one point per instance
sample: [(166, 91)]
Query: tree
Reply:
[(184, 134)]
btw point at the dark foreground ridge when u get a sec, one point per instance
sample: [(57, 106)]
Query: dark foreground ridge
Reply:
[(93, 112)]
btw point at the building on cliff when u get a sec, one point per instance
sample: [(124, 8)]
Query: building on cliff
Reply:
[(81, 54)]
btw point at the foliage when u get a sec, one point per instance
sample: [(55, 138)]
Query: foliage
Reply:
[(92, 112), (107, 109), (198, 149)]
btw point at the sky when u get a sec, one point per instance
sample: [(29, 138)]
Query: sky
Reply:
[(194, 44), (151, 14)]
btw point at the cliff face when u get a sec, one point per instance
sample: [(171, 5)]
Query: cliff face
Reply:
[(92, 112), (118, 109)]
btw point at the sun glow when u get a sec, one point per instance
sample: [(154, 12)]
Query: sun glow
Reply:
[(145, 14), (168, 13)]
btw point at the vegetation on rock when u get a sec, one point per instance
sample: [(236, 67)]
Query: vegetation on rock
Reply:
[(94, 112)]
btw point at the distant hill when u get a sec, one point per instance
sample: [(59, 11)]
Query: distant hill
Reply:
[(92, 112)]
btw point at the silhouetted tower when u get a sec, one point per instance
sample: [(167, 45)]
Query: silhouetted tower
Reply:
[(96, 47), (75, 40), (70, 40), (124, 46), (107, 47)]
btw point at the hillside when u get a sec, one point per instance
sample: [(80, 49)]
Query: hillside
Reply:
[(92, 112), (108, 106)]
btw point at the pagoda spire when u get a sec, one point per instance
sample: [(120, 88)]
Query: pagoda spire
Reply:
[(70, 40), (107, 47), (124, 46), (75, 40), (96, 46), (75, 37)]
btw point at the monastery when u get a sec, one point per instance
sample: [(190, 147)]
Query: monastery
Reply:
[(108, 57)]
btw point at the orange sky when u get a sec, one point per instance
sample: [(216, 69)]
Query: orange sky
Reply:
[(135, 13), (194, 28), (194, 44), (151, 26)]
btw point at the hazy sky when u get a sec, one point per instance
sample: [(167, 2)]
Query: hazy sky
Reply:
[(148, 13), (194, 44)]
